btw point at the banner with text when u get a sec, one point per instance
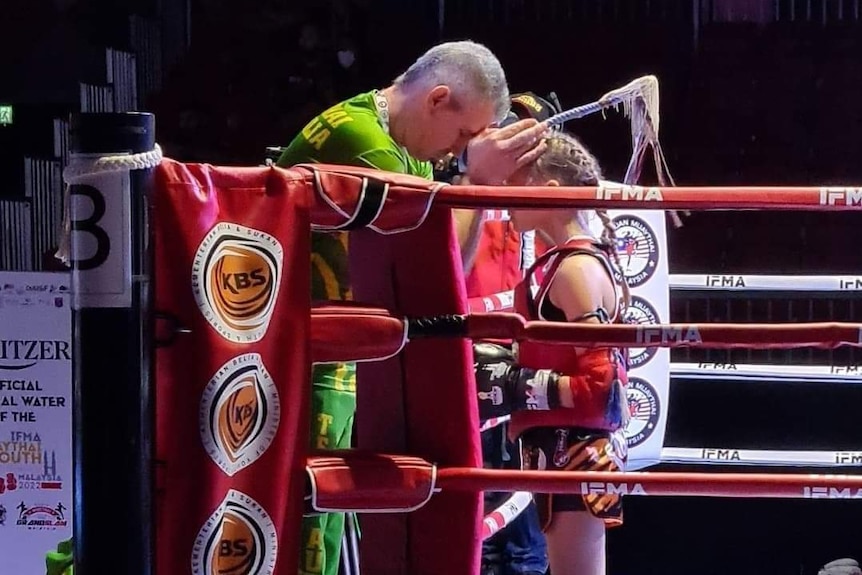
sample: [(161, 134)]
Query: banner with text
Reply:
[(231, 393), (643, 256), (35, 418)]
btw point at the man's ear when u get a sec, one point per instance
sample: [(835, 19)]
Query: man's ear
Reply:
[(439, 97)]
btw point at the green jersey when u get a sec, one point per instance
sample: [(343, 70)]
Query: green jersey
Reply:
[(351, 134), (348, 134)]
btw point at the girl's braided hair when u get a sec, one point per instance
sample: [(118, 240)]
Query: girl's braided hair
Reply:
[(569, 162)]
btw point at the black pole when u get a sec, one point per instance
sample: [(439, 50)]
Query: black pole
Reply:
[(113, 398)]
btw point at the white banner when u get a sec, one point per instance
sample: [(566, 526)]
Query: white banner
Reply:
[(35, 418), (642, 249)]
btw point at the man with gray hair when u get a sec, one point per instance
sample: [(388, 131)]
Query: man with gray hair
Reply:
[(448, 98)]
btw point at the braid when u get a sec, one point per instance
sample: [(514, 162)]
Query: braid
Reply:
[(610, 236), (569, 162)]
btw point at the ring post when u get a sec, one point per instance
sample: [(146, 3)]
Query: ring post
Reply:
[(112, 299)]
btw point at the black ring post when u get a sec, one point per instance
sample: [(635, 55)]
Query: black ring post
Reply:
[(113, 395)]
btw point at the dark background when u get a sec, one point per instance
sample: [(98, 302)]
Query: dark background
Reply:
[(752, 92)]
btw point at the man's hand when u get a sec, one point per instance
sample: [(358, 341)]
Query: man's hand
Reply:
[(497, 153)]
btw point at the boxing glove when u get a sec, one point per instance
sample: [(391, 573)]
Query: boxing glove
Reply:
[(504, 387)]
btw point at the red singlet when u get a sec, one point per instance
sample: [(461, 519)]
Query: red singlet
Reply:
[(592, 372)]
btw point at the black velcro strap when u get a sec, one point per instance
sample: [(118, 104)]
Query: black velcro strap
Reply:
[(373, 196), (437, 326)]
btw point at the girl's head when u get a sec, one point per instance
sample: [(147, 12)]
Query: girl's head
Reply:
[(565, 162)]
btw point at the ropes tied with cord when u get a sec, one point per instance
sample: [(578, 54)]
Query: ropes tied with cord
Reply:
[(80, 168)]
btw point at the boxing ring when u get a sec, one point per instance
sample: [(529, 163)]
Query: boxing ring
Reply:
[(225, 300), (742, 285)]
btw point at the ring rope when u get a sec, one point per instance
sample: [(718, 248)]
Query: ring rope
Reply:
[(760, 457), (504, 300), (79, 167), (824, 335), (621, 196), (494, 422), (510, 508), (653, 483), (742, 282), (767, 373), (505, 513)]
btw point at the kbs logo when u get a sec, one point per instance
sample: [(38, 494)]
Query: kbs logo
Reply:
[(238, 539), (637, 249), (640, 312), (644, 407), (239, 413), (235, 279)]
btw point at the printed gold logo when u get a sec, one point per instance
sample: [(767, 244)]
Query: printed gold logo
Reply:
[(235, 278), (238, 539), (528, 101), (239, 413)]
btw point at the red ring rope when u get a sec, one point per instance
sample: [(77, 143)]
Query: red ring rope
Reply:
[(657, 198), (712, 335), (336, 329), (654, 483)]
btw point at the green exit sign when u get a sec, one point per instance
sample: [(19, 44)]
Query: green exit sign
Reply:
[(5, 115)]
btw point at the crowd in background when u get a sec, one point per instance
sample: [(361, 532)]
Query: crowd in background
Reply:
[(252, 79)]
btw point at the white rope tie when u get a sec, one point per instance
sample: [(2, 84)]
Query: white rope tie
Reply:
[(80, 168)]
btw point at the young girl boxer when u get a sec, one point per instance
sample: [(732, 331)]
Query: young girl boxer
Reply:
[(568, 404)]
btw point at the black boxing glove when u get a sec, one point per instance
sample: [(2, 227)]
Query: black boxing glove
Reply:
[(504, 387)]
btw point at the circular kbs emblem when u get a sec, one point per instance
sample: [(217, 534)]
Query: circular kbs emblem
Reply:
[(637, 249), (235, 279), (238, 539), (644, 407), (239, 413), (640, 312)]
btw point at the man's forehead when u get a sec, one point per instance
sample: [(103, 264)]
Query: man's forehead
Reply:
[(479, 117)]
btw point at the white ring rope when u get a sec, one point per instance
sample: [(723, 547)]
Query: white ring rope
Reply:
[(79, 167), (767, 373), (494, 422), (759, 457), (738, 282), (513, 506), (503, 301)]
